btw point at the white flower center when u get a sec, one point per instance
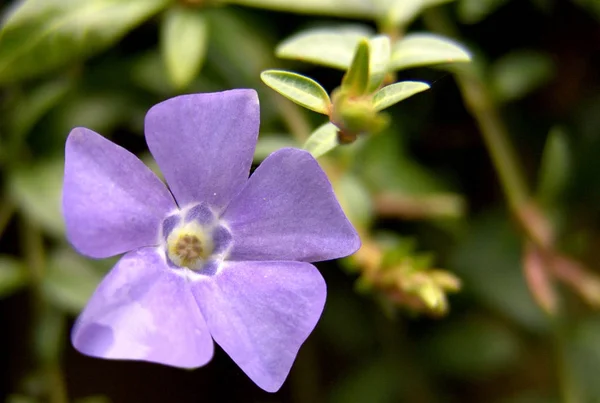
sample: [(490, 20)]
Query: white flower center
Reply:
[(189, 246)]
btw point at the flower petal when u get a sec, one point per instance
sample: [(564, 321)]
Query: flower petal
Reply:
[(260, 313), (112, 203), (204, 143), (288, 211), (144, 311)]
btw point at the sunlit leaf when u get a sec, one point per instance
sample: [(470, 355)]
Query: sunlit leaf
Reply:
[(402, 12), (555, 167), (392, 94), (338, 8), (425, 49), (13, 275), (322, 140), (473, 11), (300, 89), (331, 47), (519, 73), (184, 34), (37, 191), (42, 35), (356, 79), (379, 59)]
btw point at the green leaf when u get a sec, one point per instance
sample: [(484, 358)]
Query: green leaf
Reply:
[(520, 72), (70, 280), (338, 8), (355, 200), (473, 11), (35, 104), (331, 47), (184, 34), (473, 348), (37, 192), (379, 59), (13, 275), (269, 143), (356, 79), (424, 49), (392, 94), (300, 89), (43, 35), (322, 140), (400, 13), (555, 167)]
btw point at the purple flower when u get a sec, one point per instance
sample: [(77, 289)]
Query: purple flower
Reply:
[(216, 256)]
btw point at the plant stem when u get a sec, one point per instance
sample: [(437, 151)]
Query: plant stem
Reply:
[(48, 323), (7, 209)]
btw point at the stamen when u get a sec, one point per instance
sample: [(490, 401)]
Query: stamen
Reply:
[(189, 246)]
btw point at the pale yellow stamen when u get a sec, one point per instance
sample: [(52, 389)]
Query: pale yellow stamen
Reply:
[(189, 246)]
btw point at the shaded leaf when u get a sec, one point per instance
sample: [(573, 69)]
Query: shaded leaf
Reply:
[(298, 88), (13, 275), (555, 167), (520, 72), (36, 191), (473, 11), (425, 49), (70, 280), (322, 140), (331, 47), (392, 94), (184, 34), (42, 35), (270, 143)]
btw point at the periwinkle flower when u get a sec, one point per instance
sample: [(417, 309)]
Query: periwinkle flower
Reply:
[(217, 255)]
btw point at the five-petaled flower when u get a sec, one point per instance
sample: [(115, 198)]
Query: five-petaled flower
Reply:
[(217, 255)]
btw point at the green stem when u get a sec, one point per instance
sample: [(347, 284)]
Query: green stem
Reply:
[(7, 210), (480, 104), (48, 323)]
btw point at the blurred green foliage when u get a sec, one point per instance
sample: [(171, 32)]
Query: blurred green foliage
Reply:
[(486, 101)]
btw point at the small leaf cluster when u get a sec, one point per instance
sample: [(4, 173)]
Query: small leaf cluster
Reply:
[(367, 87)]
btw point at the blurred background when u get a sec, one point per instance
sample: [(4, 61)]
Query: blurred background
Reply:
[(478, 203)]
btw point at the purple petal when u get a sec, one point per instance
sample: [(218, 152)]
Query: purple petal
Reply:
[(144, 311), (112, 203), (260, 313), (288, 211), (204, 143)]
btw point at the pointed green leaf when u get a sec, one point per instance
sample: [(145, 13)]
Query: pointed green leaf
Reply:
[(300, 89), (555, 167), (338, 8), (356, 79), (183, 43), (426, 49), (394, 93), (13, 275), (379, 60), (331, 47), (42, 35), (403, 12), (322, 140)]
